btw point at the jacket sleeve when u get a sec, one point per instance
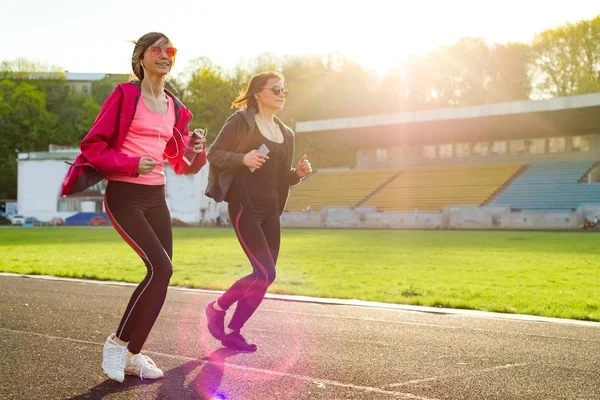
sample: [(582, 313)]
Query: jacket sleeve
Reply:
[(96, 144), (177, 145), (292, 177), (220, 153)]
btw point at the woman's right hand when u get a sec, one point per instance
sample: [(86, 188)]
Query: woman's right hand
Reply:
[(254, 159), (146, 165)]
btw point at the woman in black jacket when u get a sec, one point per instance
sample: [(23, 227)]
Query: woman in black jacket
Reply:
[(251, 169)]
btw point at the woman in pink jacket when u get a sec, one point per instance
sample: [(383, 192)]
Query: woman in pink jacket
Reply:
[(139, 126)]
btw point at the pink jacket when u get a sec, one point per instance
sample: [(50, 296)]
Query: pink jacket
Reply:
[(100, 148)]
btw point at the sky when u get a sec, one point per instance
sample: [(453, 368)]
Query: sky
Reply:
[(94, 36)]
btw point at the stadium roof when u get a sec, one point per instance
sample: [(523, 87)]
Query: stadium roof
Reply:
[(69, 76), (562, 116), (83, 76)]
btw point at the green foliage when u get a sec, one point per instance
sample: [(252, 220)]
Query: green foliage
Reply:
[(25, 120), (39, 108), (102, 88), (567, 59), (8, 177), (208, 95), (459, 72), (74, 117), (508, 73), (25, 125), (22, 68)]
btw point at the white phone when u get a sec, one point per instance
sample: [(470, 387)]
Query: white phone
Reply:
[(263, 149)]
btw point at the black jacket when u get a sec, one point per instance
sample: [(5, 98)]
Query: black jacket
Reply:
[(226, 154)]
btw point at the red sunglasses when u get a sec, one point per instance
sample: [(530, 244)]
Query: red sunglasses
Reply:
[(157, 51)]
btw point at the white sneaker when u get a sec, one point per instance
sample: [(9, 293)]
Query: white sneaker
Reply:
[(114, 357), (143, 366)]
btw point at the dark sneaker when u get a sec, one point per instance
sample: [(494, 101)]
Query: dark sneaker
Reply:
[(216, 321), (236, 341)]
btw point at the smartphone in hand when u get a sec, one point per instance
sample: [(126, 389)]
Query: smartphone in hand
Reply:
[(190, 154), (263, 149)]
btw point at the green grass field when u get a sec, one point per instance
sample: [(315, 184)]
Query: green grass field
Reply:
[(540, 273)]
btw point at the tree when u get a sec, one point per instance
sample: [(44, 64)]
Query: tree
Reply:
[(38, 108), (327, 86), (74, 111), (589, 32), (323, 87), (303, 76), (74, 119), (459, 73), (406, 87), (22, 68), (468, 72), (102, 88), (567, 59), (508, 73), (25, 125), (208, 95)]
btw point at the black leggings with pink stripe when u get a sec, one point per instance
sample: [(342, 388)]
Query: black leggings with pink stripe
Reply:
[(140, 215), (259, 236)]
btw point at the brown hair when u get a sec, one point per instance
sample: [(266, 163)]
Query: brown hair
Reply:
[(141, 45), (246, 97)]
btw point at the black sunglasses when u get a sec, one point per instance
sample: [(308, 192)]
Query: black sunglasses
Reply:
[(277, 90)]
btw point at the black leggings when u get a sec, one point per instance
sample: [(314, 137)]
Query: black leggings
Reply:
[(260, 237), (141, 216)]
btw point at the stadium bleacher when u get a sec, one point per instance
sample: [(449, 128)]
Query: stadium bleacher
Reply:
[(550, 186), (423, 188), (547, 185), (337, 188), (432, 188)]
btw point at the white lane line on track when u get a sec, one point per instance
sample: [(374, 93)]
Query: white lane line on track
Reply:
[(371, 319), (468, 373), (316, 381)]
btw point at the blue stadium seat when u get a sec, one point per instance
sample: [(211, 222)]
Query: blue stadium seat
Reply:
[(550, 186)]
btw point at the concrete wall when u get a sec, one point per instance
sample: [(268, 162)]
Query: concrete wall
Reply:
[(454, 217), (365, 217)]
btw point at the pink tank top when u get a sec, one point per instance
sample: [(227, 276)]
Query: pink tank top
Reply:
[(147, 137)]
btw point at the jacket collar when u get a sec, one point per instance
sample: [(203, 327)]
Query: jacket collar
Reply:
[(178, 104), (249, 115)]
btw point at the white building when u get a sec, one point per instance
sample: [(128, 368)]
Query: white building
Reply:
[(40, 175)]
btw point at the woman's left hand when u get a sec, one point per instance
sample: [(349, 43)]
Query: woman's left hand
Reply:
[(303, 168), (198, 135)]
